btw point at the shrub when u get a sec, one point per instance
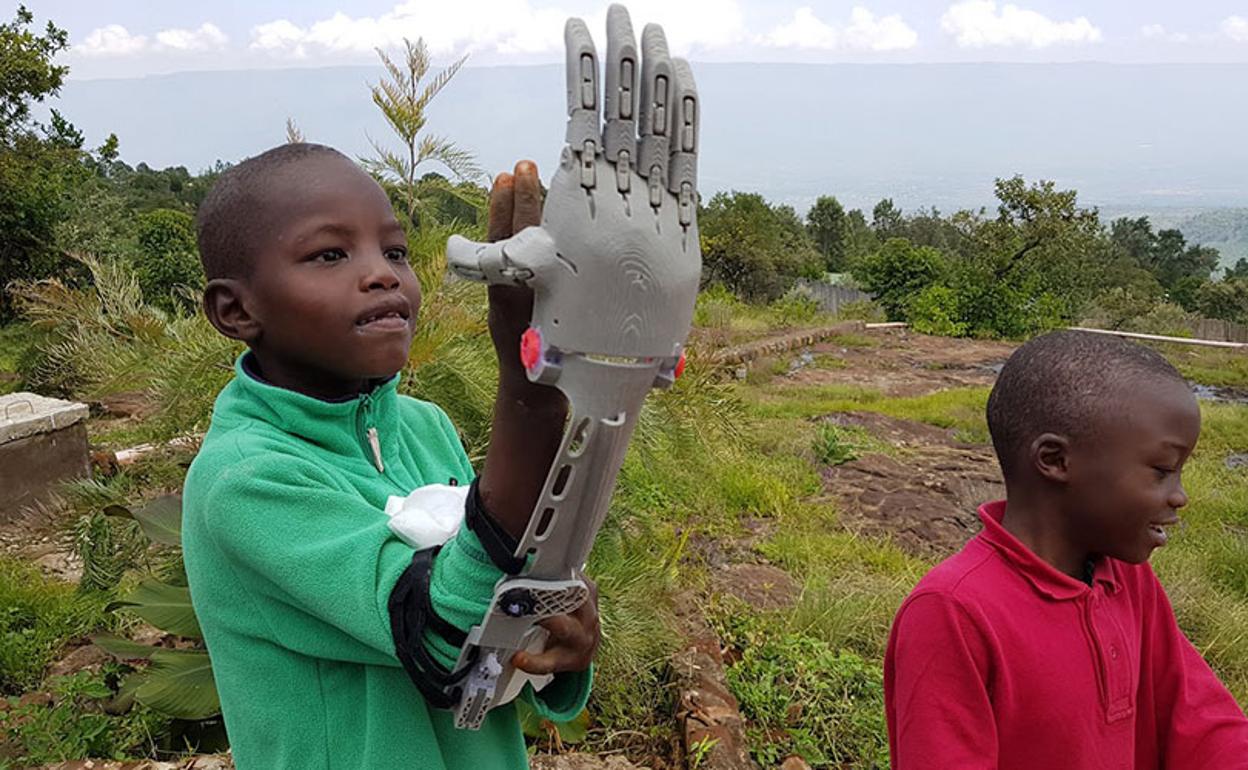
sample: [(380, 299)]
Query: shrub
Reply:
[(935, 311), (898, 271), (166, 259)]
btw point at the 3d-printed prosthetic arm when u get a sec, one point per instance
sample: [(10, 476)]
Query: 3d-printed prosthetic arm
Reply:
[(614, 268)]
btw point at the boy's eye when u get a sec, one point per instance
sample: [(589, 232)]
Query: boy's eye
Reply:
[(330, 255), (397, 254), (1162, 472)]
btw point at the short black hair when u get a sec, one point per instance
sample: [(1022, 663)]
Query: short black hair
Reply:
[(1066, 382), (235, 211)]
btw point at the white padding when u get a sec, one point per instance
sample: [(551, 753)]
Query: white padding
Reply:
[(428, 516)]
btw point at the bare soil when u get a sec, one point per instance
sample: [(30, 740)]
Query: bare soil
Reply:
[(902, 363)]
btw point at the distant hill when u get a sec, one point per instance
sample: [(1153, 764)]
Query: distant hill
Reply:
[(1139, 136), (1225, 229)]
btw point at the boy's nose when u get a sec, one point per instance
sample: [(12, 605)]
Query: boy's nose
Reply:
[(380, 274), (1178, 498)]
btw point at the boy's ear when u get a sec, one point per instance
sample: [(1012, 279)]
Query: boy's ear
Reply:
[(226, 302), (1050, 456)]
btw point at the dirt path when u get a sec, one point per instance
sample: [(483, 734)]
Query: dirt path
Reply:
[(901, 363)]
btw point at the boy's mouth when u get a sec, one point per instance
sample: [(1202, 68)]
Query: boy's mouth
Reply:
[(1159, 532), (393, 314)]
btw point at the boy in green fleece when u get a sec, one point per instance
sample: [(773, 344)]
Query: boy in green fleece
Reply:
[(304, 594)]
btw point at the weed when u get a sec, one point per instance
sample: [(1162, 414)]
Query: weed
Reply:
[(37, 618), (800, 695), (75, 724), (835, 445)]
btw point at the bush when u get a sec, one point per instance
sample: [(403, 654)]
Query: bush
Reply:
[(797, 306), (754, 248), (166, 259), (935, 311), (898, 271)]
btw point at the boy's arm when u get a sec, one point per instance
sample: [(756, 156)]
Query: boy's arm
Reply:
[(938, 710), (1199, 724)]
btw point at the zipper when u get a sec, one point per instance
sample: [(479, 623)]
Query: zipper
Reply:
[(371, 437)]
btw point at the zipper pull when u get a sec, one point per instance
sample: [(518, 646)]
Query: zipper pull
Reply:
[(375, 443)]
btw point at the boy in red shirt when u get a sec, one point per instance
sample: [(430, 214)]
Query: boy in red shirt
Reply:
[(1047, 642)]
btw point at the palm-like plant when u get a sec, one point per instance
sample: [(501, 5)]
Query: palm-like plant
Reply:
[(402, 99)]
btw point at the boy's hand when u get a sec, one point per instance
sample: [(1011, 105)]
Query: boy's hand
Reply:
[(515, 203), (572, 643)]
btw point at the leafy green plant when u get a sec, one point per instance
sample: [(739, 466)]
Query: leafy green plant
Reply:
[(37, 618), (554, 733), (167, 259), (175, 682), (833, 445), (78, 722), (802, 696)]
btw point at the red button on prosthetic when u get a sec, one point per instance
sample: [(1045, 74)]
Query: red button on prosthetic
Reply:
[(680, 366), (531, 348)]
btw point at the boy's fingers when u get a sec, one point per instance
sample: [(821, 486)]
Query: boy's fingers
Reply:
[(528, 197), (502, 206)]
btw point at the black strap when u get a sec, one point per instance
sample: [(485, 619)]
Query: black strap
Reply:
[(411, 614), (499, 546)]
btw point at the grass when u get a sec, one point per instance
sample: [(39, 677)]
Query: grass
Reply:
[(1219, 367), (15, 341), (76, 724), (37, 619)]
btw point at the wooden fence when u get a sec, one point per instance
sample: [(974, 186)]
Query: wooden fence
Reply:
[(832, 298), (1222, 331)]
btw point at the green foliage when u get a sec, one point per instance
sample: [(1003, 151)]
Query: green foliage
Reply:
[(826, 224), (798, 306), (77, 724), (802, 696), (28, 74), (934, 310), (167, 260), (754, 248), (834, 445), (898, 271), (403, 99), (37, 617), (1226, 299), (1177, 266)]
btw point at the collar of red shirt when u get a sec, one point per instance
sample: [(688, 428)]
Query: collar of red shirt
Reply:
[(1044, 577)]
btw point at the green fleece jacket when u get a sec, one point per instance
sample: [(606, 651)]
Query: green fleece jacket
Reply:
[(291, 564)]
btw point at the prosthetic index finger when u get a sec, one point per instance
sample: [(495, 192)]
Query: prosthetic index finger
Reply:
[(619, 133), (656, 84), (584, 138), (682, 174)]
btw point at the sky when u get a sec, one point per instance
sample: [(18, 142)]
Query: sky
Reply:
[(133, 38)]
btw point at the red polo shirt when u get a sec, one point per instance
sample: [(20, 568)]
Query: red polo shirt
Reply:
[(998, 660)]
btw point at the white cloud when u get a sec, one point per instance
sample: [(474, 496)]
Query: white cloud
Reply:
[(977, 24), (504, 26), (1236, 28), (868, 33), (864, 32), (111, 40), (1158, 32), (208, 37)]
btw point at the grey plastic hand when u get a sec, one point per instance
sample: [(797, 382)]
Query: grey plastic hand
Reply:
[(616, 263)]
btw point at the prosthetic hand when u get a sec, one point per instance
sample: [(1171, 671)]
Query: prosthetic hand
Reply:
[(614, 269)]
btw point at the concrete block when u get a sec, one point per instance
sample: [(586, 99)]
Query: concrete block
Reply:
[(43, 441)]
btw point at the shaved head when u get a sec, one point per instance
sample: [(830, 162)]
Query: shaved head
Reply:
[(231, 223), (1068, 383)]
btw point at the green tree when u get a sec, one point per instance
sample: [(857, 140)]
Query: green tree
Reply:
[(898, 272), (860, 239), (1238, 270), (1226, 300), (166, 258), (27, 73), (886, 220), (403, 101), (39, 165), (755, 249), (826, 224)]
